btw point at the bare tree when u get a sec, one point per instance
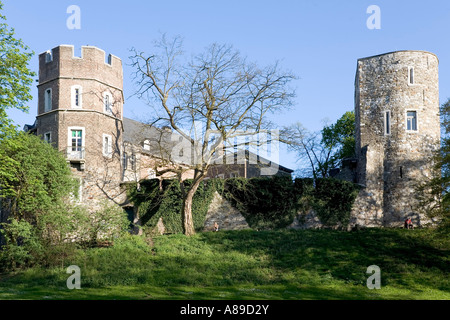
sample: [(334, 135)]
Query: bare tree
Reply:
[(212, 98), (313, 155)]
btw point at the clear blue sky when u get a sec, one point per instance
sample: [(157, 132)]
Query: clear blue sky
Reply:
[(320, 41)]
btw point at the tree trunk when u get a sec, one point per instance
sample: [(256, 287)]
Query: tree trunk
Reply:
[(188, 221)]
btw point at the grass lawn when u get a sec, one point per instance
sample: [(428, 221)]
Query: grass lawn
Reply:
[(288, 264)]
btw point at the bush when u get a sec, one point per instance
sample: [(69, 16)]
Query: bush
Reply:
[(266, 203), (333, 201), (22, 246)]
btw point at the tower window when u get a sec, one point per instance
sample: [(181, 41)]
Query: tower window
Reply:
[(107, 145), (77, 140), (107, 102), (411, 121), (48, 137), (411, 75), (48, 100), (48, 56), (76, 97), (387, 122)]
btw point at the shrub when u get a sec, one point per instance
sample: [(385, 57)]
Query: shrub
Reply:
[(266, 203), (22, 246), (333, 201)]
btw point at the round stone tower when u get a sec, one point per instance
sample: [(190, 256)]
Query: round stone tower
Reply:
[(397, 130), (80, 111)]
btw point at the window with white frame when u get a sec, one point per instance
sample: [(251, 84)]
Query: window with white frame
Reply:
[(411, 121), (75, 142), (48, 137), (107, 103), (47, 100), (387, 123), (107, 145), (76, 96), (76, 139)]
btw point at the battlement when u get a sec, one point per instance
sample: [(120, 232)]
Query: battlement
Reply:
[(93, 63)]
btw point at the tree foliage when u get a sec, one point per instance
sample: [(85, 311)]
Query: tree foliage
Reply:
[(15, 76), (319, 152)]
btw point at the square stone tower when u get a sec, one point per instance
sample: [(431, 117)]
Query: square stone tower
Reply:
[(397, 132), (80, 111)]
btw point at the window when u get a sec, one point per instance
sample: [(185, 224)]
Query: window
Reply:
[(48, 100), (75, 143), (107, 102), (410, 75), (48, 137), (133, 162), (76, 97), (411, 121), (48, 56), (77, 140), (387, 122), (147, 145), (107, 145), (125, 161)]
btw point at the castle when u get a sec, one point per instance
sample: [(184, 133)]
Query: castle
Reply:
[(80, 111)]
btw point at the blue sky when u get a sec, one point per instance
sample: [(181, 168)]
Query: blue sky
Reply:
[(319, 41)]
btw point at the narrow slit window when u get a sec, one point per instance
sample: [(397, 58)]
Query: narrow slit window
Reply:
[(77, 97), (411, 75), (48, 100), (387, 123)]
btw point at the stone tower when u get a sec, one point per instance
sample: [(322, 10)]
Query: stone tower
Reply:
[(80, 111), (397, 130)]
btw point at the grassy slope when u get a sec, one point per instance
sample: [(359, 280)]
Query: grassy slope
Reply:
[(309, 264)]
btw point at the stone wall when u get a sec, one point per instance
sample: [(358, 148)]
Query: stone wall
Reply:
[(222, 212)]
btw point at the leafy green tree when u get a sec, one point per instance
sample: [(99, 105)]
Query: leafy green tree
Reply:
[(36, 177), (340, 137), (319, 152), (15, 76)]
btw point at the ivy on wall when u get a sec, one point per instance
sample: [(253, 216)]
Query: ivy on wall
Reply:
[(266, 203)]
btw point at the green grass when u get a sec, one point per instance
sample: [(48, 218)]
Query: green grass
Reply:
[(306, 264)]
